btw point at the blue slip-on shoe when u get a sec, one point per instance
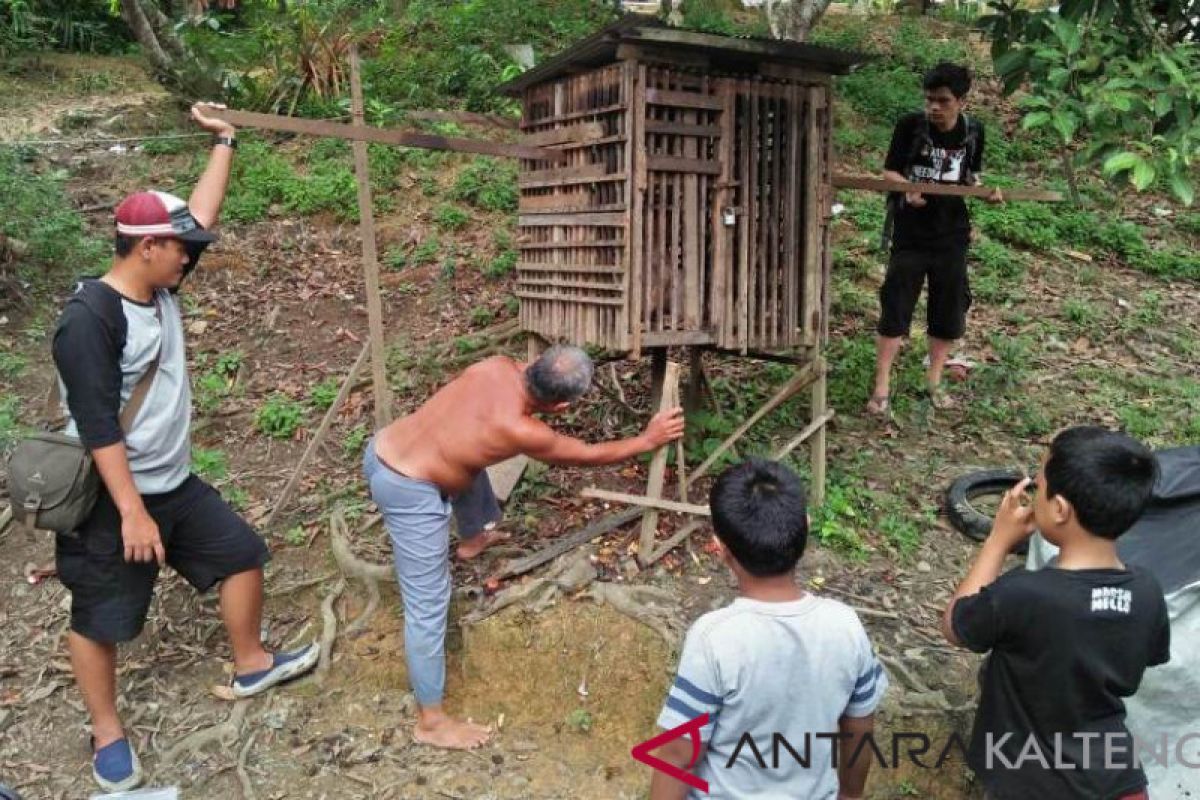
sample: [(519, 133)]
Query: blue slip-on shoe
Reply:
[(284, 666), (115, 767)]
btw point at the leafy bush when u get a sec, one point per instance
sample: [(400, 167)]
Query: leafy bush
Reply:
[(438, 52), (280, 417), (450, 218), (882, 92), (212, 465), (503, 264), (487, 184), (37, 211), (324, 393)]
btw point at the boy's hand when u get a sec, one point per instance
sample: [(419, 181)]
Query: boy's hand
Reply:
[(1014, 520), (915, 199), (996, 196), (217, 127)]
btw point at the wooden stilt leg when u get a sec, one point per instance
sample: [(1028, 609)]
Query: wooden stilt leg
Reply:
[(817, 490), (658, 465)]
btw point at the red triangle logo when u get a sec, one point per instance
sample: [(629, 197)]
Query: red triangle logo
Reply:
[(690, 728)]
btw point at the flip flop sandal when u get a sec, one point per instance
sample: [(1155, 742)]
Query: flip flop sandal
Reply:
[(880, 406), (938, 397)]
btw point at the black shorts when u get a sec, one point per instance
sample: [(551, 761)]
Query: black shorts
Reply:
[(205, 542), (949, 291)]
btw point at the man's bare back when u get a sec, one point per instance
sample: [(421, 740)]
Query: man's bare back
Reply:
[(466, 426), (484, 416)]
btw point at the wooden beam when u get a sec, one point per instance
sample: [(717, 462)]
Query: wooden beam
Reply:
[(566, 544), (599, 219), (666, 97), (286, 495), (643, 501), (842, 181), (581, 132), (658, 463), (677, 338), (366, 216), (362, 133), (802, 436), (690, 166), (802, 378)]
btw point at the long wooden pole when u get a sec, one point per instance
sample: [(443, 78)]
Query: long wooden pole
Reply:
[(841, 181), (360, 132), (286, 495), (366, 216), (669, 398)]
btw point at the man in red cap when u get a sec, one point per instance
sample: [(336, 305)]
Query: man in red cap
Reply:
[(119, 338)]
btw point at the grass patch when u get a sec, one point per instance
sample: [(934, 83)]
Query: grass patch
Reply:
[(279, 417)]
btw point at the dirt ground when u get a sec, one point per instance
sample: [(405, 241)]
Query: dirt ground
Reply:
[(571, 688)]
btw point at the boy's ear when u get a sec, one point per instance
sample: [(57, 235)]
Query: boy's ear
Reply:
[(1061, 509)]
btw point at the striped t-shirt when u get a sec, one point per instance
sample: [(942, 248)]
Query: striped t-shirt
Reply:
[(766, 669)]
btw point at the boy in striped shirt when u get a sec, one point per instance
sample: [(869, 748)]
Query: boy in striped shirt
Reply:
[(780, 673)]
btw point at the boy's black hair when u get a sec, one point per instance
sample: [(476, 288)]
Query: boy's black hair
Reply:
[(123, 245), (954, 77), (1106, 476), (760, 514)]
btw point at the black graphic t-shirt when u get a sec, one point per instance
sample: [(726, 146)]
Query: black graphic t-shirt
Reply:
[(942, 220), (1066, 647)]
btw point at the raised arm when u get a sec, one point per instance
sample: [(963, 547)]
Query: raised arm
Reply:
[(206, 199), (538, 440)]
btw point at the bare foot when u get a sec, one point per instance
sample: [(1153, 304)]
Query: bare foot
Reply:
[(472, 547), (452, 734)]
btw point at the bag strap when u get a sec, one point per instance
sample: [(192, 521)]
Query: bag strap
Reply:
[(137, 397)]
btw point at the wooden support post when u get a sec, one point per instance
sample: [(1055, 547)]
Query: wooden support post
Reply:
[(658, 464), (654, 503), (383, 394), (817, 490), (286, 495), (803, 378), (800, 438), (693, 395), (658, 374)]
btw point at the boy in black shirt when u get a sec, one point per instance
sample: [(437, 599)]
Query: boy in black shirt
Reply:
[(929, 235), (1069, 641)]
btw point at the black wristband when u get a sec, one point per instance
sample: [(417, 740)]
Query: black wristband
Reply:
[(228, 141)]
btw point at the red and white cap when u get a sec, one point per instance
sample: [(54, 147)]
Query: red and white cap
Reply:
[(159, 214)]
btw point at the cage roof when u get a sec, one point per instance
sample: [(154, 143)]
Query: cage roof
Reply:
[(731, 54)]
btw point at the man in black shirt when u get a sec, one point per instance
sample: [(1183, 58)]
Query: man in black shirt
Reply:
[(929, 234), (1067, 642)]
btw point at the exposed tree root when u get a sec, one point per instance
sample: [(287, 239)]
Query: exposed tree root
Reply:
[(225, 733)]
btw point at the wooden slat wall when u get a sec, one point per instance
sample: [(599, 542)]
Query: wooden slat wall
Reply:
[(574, 220), (624, 243)]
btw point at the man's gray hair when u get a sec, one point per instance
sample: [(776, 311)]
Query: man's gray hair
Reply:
[(562, 374)]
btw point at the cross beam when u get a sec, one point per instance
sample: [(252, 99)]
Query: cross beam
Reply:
[(879, 185), (364, 133)]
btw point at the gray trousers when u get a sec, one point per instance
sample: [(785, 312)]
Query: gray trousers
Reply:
[(416, 515)]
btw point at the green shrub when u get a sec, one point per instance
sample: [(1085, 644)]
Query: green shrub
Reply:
[(280, 417), (488, 184), (503, 264), (211, 465), (324, 393), (450, 218)]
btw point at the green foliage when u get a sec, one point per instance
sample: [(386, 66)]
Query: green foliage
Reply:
[(35, 209), (913, 45), (210, 389), (1131, 100), (236, 496), (295, 536), (11, 428), (263, 178), (481, 316), (229, 362), (437, 52), (835, 522), (426, 252), (211, 465), (487, 184), (450, 218), (11, 365), (352, 445), (280, 417), (998, 272), (503, 264), (1080, 312), (86, 26), (395, 258), (722, 17), (322, 395), (580, 720), (882, 92)]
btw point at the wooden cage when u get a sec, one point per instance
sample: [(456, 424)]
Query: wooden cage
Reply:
[(692, 207)]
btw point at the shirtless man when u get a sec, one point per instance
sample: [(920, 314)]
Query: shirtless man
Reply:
[(432, 462)]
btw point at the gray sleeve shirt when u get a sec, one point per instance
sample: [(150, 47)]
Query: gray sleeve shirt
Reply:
[(103, 345)]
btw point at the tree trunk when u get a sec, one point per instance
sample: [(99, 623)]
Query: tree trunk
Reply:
[(174, 66), (794, 19)]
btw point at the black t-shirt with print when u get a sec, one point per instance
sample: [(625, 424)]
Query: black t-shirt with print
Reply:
[(1066, 647), (942, 220)]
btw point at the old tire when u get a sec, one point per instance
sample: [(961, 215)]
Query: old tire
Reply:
[(964, 516)]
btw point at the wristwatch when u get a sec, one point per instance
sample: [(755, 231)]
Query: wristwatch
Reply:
[(228, 141)]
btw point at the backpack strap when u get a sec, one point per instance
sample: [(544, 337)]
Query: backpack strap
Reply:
[(137, 397)]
